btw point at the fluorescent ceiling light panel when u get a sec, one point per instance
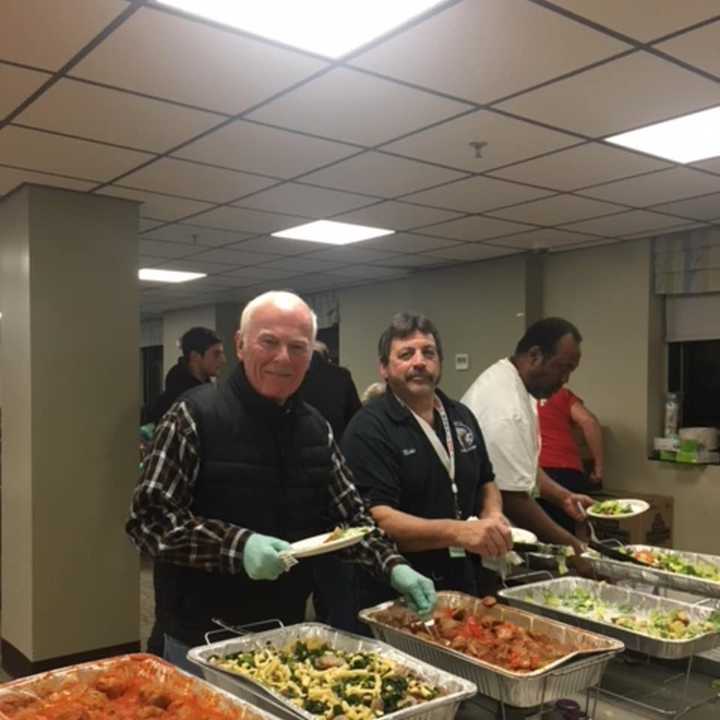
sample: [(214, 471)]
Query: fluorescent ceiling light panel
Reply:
[(685, 139), (327, 27), (332, 233), (167, 276)]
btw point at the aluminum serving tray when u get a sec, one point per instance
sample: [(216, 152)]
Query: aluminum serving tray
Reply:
[(160, 668), (560, 679), (642, 604), (618, 570), (454, 689)]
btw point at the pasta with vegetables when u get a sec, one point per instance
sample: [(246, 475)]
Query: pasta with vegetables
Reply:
[(330, 683)]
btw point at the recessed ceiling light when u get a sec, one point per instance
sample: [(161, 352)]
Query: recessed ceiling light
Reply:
[(333, 233), (327, 27), (168, 276), (685, 139)]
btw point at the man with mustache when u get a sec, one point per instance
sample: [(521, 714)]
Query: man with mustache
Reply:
[(419, 460), (504, 401)]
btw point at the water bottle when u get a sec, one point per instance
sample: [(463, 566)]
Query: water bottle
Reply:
[(672, 415)]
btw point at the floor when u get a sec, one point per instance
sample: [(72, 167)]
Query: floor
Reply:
[(654, 686)]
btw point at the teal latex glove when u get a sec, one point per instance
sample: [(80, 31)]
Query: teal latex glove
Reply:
[(419, 591), (261, 557)]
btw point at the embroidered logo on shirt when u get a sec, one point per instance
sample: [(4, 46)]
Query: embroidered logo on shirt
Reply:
[(465, 436), (409, 451)]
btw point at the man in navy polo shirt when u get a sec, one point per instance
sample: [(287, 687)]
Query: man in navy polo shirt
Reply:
[(419, 460)]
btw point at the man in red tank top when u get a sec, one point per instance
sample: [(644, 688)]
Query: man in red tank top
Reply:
[(559, 454)]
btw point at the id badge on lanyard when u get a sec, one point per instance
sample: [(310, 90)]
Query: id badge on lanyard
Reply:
[(446, 454)]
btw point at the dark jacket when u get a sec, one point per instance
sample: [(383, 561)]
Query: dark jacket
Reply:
[(265, 467), (331, 390), (178, 380)]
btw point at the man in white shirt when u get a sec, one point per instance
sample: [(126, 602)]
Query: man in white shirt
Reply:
[(504, 401)]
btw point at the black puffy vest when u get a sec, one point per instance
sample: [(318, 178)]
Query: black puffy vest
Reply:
[(263, 467)]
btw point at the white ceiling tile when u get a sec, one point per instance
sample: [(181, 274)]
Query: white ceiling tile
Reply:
[(195, 265), (465, 50), (232, 256), (369, 272), (620, 95), (116, 117), (380, 110), (471, 252), (149, 261), (643, 19), (297, 199), (477, 194), (241, 281), (698, 48), (198, 235), (148, 224), (199, 182), (377, 174), (627, 223), (408, 243), (473, 229), (157, 206), (250, 221), (311, 283), (165, 250), (546, 238), (167, 56), (411, 262), (556, 210), (508, 140), (396, 215), (706, 207), (282, 246), (44, 152), (58, 30), (660, 187), (663, 231), (256, 148), (351, 254), (261, 273), (10, 178), (580, 167), (303, 265), (713, 165), (17, 84)]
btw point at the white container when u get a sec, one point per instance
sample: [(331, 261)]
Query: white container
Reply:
[(705, 437)]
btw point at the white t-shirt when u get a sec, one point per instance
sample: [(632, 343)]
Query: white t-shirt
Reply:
[(507, 415)]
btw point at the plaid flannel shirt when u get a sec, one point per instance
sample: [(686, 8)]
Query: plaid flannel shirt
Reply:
[(162, 523)]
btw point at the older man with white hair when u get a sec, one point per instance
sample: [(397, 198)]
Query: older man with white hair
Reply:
[(239, 470)]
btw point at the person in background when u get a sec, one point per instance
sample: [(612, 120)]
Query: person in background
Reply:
[(202, 359), (420, 463), (372, 391), (331, 390), (239, 470), (560, 455), (504, 400)]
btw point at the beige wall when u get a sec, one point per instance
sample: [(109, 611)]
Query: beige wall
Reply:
[(606, 290), (70, 576), (478, 309)]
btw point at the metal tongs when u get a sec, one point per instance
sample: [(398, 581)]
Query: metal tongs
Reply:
[(596, 544)]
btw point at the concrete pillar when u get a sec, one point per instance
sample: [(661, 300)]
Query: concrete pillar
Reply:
[(70, 316)]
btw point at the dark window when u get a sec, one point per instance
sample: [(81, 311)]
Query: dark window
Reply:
[(694, 372), (331, 337), (152, 375)]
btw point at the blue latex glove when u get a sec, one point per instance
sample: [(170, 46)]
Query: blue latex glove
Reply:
[(419, 591), (261, 558)]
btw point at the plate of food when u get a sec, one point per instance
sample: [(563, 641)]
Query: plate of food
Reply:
[(520, 535), (617, 509), (328, 542)]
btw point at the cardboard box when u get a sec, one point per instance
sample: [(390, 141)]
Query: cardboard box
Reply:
[(654, 527)]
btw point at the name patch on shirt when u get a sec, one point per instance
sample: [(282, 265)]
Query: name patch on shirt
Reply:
[(409, 451), (465, 436)]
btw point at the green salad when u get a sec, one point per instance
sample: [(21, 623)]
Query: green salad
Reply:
[(671, 625), (611, 508), (675, 563)]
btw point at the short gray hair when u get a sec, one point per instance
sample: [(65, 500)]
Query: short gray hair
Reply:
[(279, 298)]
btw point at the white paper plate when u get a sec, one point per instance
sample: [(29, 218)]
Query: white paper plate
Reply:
[(520, 535), (638, 508), (317, 545)]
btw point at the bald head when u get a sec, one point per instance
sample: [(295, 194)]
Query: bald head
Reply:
[(282, 301)]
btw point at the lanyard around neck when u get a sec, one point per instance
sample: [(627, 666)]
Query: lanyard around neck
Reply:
[(445, 452)]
